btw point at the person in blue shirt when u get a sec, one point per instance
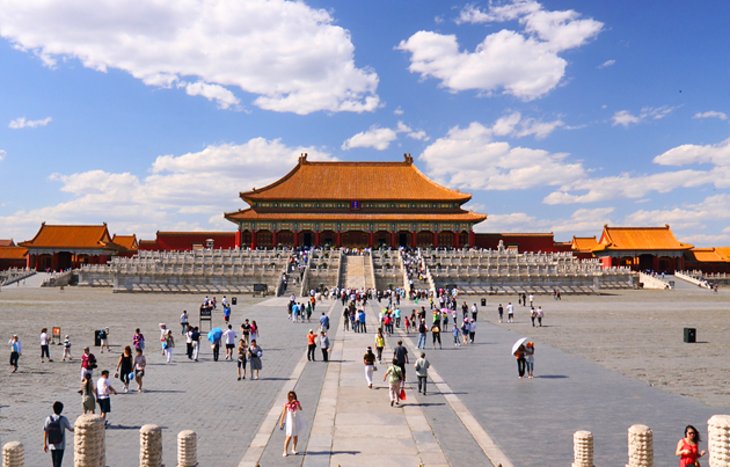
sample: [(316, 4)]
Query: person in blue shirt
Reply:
[(324, 322)]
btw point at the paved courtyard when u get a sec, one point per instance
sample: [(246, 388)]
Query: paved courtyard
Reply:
[(602, 364)]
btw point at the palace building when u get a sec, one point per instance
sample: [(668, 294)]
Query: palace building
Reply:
[(355, 204), (641, 248)]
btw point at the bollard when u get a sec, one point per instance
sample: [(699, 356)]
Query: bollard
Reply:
[(187, 449), (150, 446), (718, 440), (582, 449), (13, 454), (89, 441), (641, 446)]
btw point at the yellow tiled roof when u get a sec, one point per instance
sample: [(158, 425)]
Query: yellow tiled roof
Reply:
[(639, 238), (251, 215), (584, 244), (72, 236), (12, 252)]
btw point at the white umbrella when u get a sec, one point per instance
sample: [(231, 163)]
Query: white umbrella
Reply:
[(517, 344)]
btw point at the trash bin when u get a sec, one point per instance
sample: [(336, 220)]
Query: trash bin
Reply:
[(97, 337), (690, 335), (484, 302), (234, 300)]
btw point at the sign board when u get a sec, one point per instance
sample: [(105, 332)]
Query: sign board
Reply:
[(206, 314), (56, 334), (260, 288)]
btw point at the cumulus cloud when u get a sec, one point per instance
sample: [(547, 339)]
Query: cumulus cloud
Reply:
[(291, 57), (608, 63), (686, 154), (380, 138), (470, 158), (22, 122), (580, 222), (491, 66), (710, 114), (687, 216), (3, 153), (514, 124), (180, 191), (625, 118)]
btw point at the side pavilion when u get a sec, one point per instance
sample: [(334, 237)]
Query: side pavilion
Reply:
[(355, 204), (641, 248), (60, 247)]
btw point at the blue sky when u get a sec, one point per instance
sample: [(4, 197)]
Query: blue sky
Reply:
[(557, 116)]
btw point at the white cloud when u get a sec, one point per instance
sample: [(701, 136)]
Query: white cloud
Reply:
[(491, 66), (686, 154), (687, 216), (180, 191), (380, 138), (398, 111), (514, 125), (470, 158), (625, 118), (580, 222), (608, 63), (292, 57), (22, 122), (3, 153), (710, 114), (376, 138), (213, 92)]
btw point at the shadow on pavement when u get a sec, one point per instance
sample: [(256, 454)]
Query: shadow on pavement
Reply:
[(551, 376), (328, 453)]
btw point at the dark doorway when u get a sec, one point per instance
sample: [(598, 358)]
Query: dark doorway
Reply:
[(403, 239), (307, 239)]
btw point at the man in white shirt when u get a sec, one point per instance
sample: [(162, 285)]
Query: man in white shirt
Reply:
[(103, 392), (44, 345), (229, 338), (510, 312)]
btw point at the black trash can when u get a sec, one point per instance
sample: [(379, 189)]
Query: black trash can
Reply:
[(234, 300), (98, 334), (484, 302), (690, 335)]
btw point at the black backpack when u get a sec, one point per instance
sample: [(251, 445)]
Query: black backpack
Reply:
[(91, 362), (54, 430)]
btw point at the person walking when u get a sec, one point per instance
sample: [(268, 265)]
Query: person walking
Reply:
[(400, 355), (688, 448), (104, 390), (521, 363), (311, 345), (169, 346), (324, 345), (436, 335), (195, 336), (184, 322), (533, 315), (369, 361), (16, 350), (54, 434), (255, 333), (324, 322), (540, 316), (88, 363), (254, 356), (140, 363), (189, 343), (88, 402), (422, 334), (457, 336), (380, 344), (500, 312), (529, 358), (229, 338), (472, 330), (67, 349), (361, 319), (294, 425), (44, 345), (104, 338), (421, 367), (241, 362), (394, 375), (138, 339), (510, 312), (124, 368)]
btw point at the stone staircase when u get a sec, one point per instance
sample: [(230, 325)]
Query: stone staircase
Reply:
[(357, 272)]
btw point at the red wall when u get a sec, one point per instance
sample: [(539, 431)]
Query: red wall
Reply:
[(524, 242), (186, 240)]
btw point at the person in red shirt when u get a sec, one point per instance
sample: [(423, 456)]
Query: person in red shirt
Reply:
[(688, 447), (311, 345)]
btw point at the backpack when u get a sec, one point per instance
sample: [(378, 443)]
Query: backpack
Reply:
[(91, 362), (55, 433)]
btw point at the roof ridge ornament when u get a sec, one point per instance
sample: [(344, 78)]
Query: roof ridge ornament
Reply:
[(408, 159), (303, 158)]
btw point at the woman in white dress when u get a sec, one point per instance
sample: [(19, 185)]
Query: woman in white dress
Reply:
[(294, 425)]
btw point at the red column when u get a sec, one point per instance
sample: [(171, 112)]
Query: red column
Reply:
[(655, 263), (679, 263), (435, 239), (393, 240), (316, 238), (296, 238), (457, 238), (253, 239), (54, 261), (413, 240), (338, 239), (274, 238), (472, 239), (371, 240), (237, 242)]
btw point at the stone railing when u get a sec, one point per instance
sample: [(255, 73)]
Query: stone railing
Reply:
[(692, 280), (652, 282)]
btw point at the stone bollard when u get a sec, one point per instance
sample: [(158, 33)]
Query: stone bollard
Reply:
[(89, 441), (641, 446), (718, 440), (187, 449), (582, 449), (13, 454), (150, 446)]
